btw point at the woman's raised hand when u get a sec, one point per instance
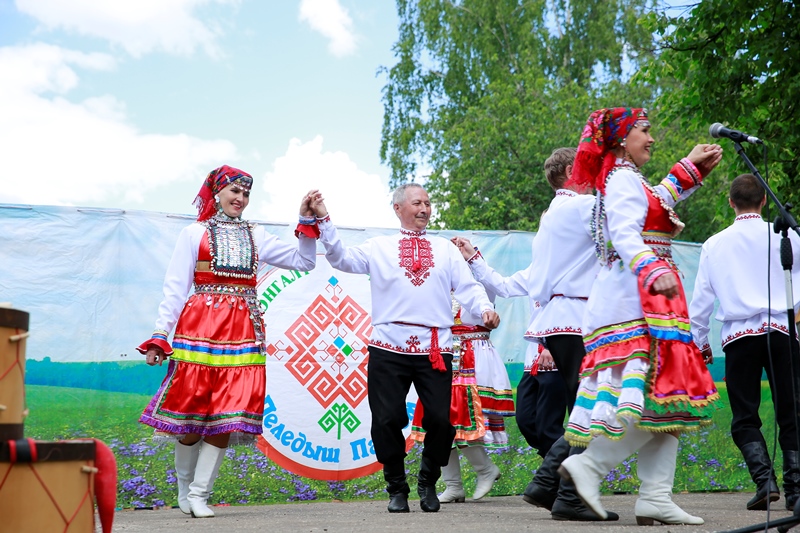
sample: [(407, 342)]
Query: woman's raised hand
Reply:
[(705, 157)]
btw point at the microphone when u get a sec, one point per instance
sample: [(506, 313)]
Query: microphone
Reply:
[(718, 131)]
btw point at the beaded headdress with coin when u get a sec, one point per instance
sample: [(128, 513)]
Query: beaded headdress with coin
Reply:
[(218, 179), (605, 130)]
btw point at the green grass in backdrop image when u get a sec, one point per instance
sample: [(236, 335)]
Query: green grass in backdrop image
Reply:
[(707, 461)]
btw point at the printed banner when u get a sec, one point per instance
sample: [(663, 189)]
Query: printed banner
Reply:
[(316, 413)]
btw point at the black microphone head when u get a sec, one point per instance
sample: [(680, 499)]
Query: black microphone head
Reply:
[(715, 130)]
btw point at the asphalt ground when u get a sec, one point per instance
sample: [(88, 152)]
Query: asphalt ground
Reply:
[(722, 511)]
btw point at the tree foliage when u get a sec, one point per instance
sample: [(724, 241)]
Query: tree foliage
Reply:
[(483, 91), (735, 62)]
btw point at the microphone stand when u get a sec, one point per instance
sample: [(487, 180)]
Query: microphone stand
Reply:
[(783, 222)]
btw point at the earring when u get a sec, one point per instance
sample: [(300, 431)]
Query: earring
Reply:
[(629, 158), (216, 198)]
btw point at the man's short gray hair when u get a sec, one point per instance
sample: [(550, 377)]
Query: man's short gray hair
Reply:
[(399, 195)]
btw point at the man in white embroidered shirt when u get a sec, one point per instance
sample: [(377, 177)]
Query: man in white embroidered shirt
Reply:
[(411, 276), (734, 266)]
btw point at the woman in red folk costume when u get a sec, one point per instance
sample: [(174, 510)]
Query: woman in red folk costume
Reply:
[(643, 381), (216, 379)]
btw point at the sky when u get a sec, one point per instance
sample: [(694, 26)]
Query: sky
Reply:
[(129, 104)]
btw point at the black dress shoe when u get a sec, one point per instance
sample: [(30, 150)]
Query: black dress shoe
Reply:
[(398, 503), (536, 495), (428, 501), (578, 513)]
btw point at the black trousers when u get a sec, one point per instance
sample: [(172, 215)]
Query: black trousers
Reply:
[(568, 352), (390, 376), (745, 359), (541, 405)]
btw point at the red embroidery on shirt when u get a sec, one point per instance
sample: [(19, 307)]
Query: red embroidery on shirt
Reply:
[(416, 256), (413, 343), (749, 216), (411, 349), (554, 331), (750, 331)]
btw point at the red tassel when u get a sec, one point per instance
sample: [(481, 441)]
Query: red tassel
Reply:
[(435, 356), (105, 484), (436, 361)]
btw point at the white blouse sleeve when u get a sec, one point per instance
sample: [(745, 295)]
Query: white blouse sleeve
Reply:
[(626, 209), (179, 277), (301, 255)]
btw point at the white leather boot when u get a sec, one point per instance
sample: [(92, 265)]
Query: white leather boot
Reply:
[(208, 462), (587, 469), (451, 475), (185, 463), (656, 467), (486, 470)]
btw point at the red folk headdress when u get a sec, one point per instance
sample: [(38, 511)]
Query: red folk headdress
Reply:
[(217, 180), (605, 130)]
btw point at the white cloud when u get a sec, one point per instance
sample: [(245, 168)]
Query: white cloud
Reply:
[(77, 153), (353, 197), (330, 19), (139, 26)]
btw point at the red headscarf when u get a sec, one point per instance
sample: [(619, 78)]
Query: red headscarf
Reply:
[(217, 180), (604, 131)]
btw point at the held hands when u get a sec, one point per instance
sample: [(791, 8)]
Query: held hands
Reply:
[(705, 157), (306, 209), (155, 355), (491, 319), (708, 357), (464, 246), (667, 285)]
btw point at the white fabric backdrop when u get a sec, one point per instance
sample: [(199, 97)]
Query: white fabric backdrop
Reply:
[(91, 278)]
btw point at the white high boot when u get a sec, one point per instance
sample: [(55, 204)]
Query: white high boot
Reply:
[(486, 470), (208, 462), (656, 469), (587, 469), (185, 463), (451, 475)]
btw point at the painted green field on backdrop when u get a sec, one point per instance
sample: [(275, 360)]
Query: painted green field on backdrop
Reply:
[(708, 460)]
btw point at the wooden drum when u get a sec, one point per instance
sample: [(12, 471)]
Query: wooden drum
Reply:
[(13, 332), (47, 486)]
